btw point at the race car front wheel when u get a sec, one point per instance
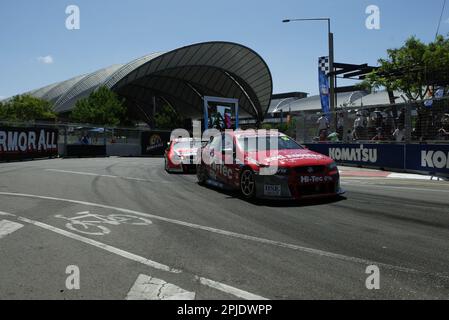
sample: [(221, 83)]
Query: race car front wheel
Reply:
[(248, 184), (201, 175)]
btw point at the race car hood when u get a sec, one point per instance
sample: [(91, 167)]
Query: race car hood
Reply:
[(288, 158)]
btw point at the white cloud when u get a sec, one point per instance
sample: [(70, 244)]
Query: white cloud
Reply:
[(45, 60)]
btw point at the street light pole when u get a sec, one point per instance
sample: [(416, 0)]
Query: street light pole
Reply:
[(331, 57)]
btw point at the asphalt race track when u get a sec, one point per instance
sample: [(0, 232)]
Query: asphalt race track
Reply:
[(136, 232)]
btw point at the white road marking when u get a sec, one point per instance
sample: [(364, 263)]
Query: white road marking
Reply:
[(94, 224), (237, 235), (393, 187), (149, 288), (409, 176), (8, 227), (105, 176), (6, 214), (114, 250), (143, 288), (230, 290)]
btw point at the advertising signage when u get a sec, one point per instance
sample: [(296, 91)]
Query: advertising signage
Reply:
[(154, 143), (430, 159), (371, 155), (28, 143)]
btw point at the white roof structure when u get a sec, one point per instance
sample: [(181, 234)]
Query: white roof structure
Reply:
[(355, 99), (181, 77)]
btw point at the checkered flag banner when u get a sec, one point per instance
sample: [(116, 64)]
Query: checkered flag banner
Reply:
[(323, 65)]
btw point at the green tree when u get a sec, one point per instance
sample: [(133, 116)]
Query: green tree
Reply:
[(266, 126), (167, 119), (287, 127), (26, 108), (102, 107), (414, 68)]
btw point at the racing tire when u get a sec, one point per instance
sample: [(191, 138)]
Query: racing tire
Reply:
[(201, 175), (166, 166), (248, 184)]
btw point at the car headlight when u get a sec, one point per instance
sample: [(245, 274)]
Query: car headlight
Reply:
[(332, 166), (282, 171)]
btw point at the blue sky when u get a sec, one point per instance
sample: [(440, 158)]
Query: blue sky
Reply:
[(37, 49)]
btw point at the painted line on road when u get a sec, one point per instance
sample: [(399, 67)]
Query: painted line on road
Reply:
[(6, 214), (393, 187), (149, 288), (237, 235), (385, 175), (228, 289), (117, 251), (105, 176), (170, 289), (397, 175), (7, 227)]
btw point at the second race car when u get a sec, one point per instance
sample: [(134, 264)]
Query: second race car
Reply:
[(180, 155)]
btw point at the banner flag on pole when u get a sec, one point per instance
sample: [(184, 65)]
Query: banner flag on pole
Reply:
[(323, 72)]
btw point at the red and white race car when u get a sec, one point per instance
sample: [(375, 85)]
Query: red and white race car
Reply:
[(284, 170), (181, 154)]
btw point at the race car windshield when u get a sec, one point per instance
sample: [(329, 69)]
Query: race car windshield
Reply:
[(253, 144), (184, 145)]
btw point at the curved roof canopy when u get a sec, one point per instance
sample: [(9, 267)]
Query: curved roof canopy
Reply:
[(181, 77)]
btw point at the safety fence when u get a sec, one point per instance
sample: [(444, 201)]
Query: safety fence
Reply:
[(409, 137), (418, 122)]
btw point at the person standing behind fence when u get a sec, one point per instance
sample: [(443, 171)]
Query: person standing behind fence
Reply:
[(389, 126), (444, 131), (371, 124), (340, 124), (323, 127), (359, 128), (399, 134), (379, 135)]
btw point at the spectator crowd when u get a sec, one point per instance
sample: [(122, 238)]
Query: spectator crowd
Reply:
[(386, 124)]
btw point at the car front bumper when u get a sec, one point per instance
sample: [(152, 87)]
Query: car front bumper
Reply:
[(292, 188)]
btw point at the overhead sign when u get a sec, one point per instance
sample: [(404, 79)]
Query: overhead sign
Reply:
[(28, 143)]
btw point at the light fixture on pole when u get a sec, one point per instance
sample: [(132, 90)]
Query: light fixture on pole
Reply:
[(331, 55)]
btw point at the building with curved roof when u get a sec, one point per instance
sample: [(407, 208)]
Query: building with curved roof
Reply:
[(181, 78)]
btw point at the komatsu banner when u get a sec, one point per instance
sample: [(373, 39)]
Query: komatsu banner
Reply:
[(431, 159), (28, 143)]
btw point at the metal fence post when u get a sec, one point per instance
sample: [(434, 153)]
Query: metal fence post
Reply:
[(65, 140), (408, 124), (346, 126)]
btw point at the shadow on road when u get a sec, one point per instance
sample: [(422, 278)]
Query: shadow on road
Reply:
[(297, 203), (231, 194)]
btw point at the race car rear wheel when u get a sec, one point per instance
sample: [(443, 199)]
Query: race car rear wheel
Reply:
[(248, 184)]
